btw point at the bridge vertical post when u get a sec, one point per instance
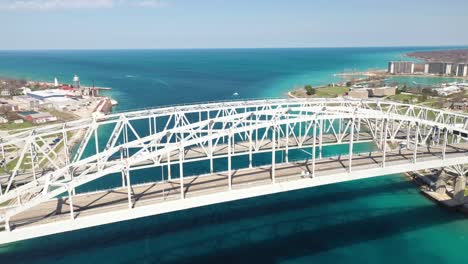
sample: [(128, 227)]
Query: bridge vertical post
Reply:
[(210, 145), (358, 129), (155, 131), (250, 149), (229, 162), (314, 144), (97, 146), (70, 200), (181, 171), (340, 128), (67, 154), (408, 135), (300, 131), (384, 145), (150, 125), (32, 161), (382, 133), (122, 171), (169, 174), (416, 142), (273, 156), (287, 140), (438, 136), (321, 139), (444, 147), (351, 145), (129, 186)]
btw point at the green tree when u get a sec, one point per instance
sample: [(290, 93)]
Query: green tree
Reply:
[(349, 83), (309, 90)]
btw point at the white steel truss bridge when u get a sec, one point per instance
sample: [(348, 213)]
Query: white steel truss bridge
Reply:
[(45, 167)]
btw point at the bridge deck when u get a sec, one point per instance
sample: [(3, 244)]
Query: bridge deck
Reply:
[(106, 201)]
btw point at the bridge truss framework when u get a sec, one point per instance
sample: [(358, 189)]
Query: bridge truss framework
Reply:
[(89, 149)]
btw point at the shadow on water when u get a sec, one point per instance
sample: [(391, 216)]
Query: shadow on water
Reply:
[(302, 241), (353, 226)]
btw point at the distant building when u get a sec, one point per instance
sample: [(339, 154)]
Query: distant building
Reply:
[(461, 70), (54, 93), (37, 117), (382, 91), (439, 68), (7, 107), (400, 67), (361, 93)]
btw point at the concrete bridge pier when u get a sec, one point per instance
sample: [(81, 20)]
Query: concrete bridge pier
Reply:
[(441, 184), (459, 189)]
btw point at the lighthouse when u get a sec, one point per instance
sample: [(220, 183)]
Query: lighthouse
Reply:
[(76, 81)]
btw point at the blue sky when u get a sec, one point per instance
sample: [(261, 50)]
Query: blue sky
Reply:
[(127, 24)]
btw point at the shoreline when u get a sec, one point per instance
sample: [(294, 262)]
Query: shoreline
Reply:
[(444, 201), (15, 98)]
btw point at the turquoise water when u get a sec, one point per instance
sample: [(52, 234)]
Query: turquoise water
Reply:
[(381, 220), (421, 81)]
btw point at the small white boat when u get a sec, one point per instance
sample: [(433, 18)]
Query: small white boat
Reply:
[(235, 94)]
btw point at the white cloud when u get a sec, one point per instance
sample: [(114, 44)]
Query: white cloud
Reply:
[(38, 5)]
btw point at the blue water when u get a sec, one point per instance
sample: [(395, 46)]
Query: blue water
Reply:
[(381, 220)]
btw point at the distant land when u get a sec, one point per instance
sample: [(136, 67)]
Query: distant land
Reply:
[(453, 56)]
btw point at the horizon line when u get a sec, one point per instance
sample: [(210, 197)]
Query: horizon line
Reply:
[(237, 48)]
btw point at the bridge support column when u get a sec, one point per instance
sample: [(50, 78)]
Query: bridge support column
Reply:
[(314, 145), (408, 135), (321, 139), (129, 187), (181, 172), (210, 145), (358, 129), (444, 147), (70, 201), (340, 128), (381, 133), (229, 162), (351, 145), (287, 142), (459, 189), (122, 172), (416, 142), (384, 143), (273, 156), (250, 149), (169, 174)]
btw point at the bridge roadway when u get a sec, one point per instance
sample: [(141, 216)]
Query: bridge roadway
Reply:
[(98, 203)]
